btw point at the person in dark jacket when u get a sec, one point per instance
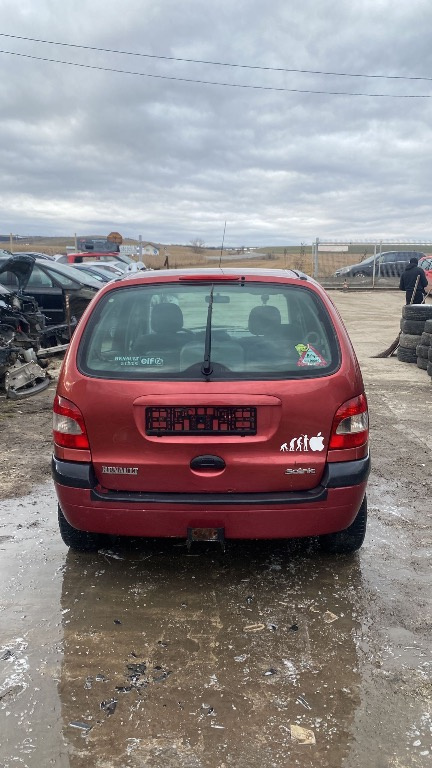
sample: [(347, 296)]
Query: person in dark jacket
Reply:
[(409, 279)]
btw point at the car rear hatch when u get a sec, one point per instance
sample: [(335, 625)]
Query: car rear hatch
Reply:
[(202, 390)]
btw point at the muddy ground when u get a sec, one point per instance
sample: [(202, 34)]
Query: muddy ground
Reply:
[(268, 655)]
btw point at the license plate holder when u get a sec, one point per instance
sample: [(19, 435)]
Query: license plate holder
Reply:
[(201, 420), (216, 535)]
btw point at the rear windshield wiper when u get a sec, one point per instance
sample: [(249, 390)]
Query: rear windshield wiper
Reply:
[(206, 367)]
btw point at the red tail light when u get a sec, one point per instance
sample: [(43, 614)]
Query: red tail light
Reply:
[(68, 425), (350, 428)]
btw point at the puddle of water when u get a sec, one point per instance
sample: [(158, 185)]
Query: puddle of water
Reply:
[(144, 655)]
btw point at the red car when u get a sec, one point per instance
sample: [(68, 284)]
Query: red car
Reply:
[(211, 404), (426, 264)]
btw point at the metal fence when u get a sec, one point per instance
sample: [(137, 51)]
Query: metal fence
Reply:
[(364, 262)]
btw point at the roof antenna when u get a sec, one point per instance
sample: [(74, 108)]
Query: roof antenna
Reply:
[(223, 240)]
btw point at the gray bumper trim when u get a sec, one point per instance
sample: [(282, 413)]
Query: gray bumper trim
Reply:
[(337, 475)]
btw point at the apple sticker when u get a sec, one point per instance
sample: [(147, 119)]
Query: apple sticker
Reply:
[(316, 443)]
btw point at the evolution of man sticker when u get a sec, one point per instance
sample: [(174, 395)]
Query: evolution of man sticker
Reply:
[(304, 443), (309, 356)]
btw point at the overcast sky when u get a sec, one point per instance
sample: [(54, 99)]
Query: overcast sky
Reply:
[(87, 150)]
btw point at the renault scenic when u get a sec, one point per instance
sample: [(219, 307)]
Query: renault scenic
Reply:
[(211, 405)]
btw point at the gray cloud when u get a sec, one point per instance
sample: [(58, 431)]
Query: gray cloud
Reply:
[(85, 150)]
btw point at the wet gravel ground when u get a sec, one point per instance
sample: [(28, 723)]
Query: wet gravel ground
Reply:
[(271, 654)]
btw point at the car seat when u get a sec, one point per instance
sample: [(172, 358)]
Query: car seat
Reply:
[(263, 347), (166, 338)]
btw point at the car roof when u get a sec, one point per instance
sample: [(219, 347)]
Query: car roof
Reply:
[(217, 273), (68, 271), (23, 265), (36, 254), (398, 253)]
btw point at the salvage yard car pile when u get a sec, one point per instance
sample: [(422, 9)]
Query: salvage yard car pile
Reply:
[(21, 328), (40, 304)]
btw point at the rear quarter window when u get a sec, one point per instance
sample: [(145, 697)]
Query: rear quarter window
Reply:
[(250, 331)]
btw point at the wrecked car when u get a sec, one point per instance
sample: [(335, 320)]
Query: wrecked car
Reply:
[(61, 292), (22, 326)]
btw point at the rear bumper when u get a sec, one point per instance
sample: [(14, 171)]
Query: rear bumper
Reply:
[(331, 506)]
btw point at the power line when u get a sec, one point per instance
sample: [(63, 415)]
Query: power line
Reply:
[(214, 63), (212, 82)]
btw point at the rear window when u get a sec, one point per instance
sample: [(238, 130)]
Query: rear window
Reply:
[(192, 332)]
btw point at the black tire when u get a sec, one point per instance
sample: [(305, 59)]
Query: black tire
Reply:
[(429, 369), (422, 351), (422, 363), (412, 326), (409, 340), (426, 339), (347, 541), (80, 541), (361, 275), (428, 326), (417, 312), (406, 355), (430, 354)]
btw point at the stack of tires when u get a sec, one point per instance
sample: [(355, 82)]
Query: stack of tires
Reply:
[(424, 349), (414, 341)]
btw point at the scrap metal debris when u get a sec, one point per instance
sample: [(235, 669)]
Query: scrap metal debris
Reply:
[(109, 706), (303, 702), (80, 725), (26, 337)]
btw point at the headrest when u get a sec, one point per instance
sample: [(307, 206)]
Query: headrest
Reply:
[(264, 320), (166, 318)]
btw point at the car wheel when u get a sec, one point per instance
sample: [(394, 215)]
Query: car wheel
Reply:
[(360, 275), (349, 540), (81, 541)]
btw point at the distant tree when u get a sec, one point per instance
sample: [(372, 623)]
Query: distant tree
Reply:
[(299, 259), (197, 245)]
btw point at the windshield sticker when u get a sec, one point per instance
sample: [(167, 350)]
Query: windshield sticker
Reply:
[(309, 356), (304, 443), (135, 360)]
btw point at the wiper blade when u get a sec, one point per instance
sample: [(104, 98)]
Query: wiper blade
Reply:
[(206, 367)]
